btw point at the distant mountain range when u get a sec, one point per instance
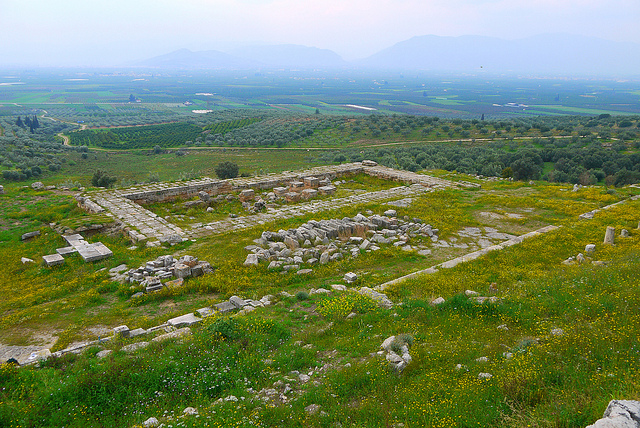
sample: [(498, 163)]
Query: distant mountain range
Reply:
[(548, 54)]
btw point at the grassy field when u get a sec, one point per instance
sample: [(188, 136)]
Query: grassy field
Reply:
[(538, 378)]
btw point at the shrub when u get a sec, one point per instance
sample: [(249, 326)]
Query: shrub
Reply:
[(302, 295), (102, 179), (227, 169)]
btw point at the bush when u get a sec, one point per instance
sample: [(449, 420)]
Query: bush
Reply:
[(102, 179), (302, 295), (227, 169)]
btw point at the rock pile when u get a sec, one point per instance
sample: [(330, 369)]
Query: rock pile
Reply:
[(397, 350), (329, 240), (165, 268)]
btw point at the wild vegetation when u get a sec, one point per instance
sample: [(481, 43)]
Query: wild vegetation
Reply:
[(538, 378)]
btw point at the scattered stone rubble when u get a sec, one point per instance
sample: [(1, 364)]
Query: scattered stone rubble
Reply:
[(329, 240), (397, 352), (165, 268), (590, 249)]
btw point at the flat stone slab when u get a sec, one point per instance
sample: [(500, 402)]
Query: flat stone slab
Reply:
[(184, 321), (225, 307), (205, 312), (71, 239), (53, 260), (237, 302), (137, 332), (134, 347), (65, 251), (172, 335)]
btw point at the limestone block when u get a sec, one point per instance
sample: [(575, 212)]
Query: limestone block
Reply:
[(327, 190), (225, 307), (309, 194), (252, 260), (609, 235), (205, 312), (182, 271), (296, 186), (237, 302), (311, 182), (280, 191), (121, 330), (350, 277), (53, 260), (184, 321), (247, 195), (292, 196)]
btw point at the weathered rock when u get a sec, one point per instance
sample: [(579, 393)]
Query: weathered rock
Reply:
[(104, 353), (185, 331), (382, 299), (134, 347), (237, 302), (338, 287), (252, 260), (580, 258), (26, 260), (182, 270), (173, 238), (589, 248), (247, 195), (37, 185), (151, 422), (437, 301), (204, 196), (350, 277), (224, 307), (620, 414), (30, 235), (484, 376), (324, 258), (190, 411), (624, 233), (609, 235)]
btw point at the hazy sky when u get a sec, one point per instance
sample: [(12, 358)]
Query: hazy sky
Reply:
[(99, 32)]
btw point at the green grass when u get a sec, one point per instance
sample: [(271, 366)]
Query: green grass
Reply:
[(550, 380)]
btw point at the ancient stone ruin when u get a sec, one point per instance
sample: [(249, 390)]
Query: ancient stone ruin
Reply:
[(126, 205)]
